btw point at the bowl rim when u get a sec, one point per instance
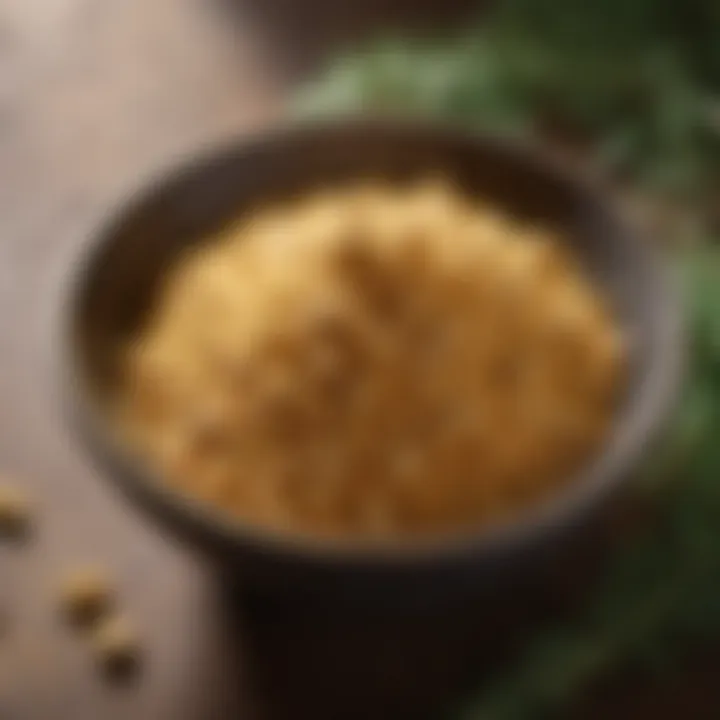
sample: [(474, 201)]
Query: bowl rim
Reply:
[(608, 468)]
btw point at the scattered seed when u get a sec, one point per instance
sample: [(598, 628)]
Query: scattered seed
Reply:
[(14, 512), (86, 593), (116, 646)]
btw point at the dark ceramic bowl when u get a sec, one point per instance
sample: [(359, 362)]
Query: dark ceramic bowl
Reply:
[(117, 283)]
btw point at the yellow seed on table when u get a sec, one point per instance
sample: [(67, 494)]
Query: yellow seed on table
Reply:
[(86, 593), (14, 512), (116, 645)]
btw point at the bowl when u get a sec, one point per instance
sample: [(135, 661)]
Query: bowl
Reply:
[(117, 281)]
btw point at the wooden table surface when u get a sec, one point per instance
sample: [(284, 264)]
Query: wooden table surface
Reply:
[(95, 96)]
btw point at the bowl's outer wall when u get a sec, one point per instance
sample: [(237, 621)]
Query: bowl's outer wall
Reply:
[(119, 283)]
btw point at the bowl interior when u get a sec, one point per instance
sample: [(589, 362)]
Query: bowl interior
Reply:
[(119, 283)]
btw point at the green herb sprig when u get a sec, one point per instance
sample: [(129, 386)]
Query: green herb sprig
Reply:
[(621, 73)]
